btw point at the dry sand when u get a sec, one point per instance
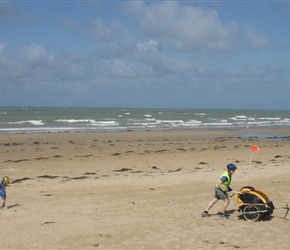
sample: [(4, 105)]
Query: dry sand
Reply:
[(139, 190)]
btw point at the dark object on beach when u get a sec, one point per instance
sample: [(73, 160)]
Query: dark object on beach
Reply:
[(11, 206), (48, 222), (79, 178), (122, 170), (90, 173), (48, 176), (177, 170), (20, 180)]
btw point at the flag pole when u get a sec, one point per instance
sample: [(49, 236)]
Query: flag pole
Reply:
[(249, 168), (254, 149)]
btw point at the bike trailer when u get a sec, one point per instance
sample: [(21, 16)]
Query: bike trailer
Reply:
[(254, 203)]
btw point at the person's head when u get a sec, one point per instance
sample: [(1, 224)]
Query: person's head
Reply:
[(231, 168), (6, 180)]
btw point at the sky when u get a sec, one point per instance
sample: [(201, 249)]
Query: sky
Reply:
[(145, 54)]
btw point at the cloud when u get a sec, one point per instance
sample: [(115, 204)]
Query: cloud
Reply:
[(35, 53), (151, 46), (2, 47), (34, 68), (168, 31), (253, 40), (116, 43), (94, 29), (184, 28), (8, 13)]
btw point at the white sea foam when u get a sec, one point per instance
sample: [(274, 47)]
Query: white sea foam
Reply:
[(72, 119), (283, 121), (89, 122), (239, 117), (105, 123), (269, 118), (171, 121), (33, 122), (191, 123)]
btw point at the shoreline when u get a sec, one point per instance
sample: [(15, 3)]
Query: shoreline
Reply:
[(280, 131)]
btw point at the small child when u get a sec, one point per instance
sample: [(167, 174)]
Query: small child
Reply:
[(221, 188), (5, 181)]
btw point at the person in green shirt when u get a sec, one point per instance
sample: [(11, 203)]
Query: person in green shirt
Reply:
[(221, 189)]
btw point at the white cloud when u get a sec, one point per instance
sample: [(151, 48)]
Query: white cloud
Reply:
[(98, 30), (2, 47), (184, 28), (151, 46), (35, 53), (255, 41), (8, 13)]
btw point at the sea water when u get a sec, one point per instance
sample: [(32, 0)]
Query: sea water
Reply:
[(44, 119)]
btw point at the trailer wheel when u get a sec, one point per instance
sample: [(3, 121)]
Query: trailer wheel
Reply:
[(251, 213)]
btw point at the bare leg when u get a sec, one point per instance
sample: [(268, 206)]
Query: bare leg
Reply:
[(3, 204), (225, 205), (214, 201)]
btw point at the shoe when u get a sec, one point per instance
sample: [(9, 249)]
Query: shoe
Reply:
[(223, 216), (205, 214)]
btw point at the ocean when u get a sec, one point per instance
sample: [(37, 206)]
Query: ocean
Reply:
[(43, 119)]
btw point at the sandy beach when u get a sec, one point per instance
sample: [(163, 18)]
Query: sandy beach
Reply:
[(140, 190)]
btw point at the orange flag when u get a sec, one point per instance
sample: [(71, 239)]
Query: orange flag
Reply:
[(255, 148)]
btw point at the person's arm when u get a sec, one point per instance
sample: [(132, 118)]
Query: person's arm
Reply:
[(220, 182)]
